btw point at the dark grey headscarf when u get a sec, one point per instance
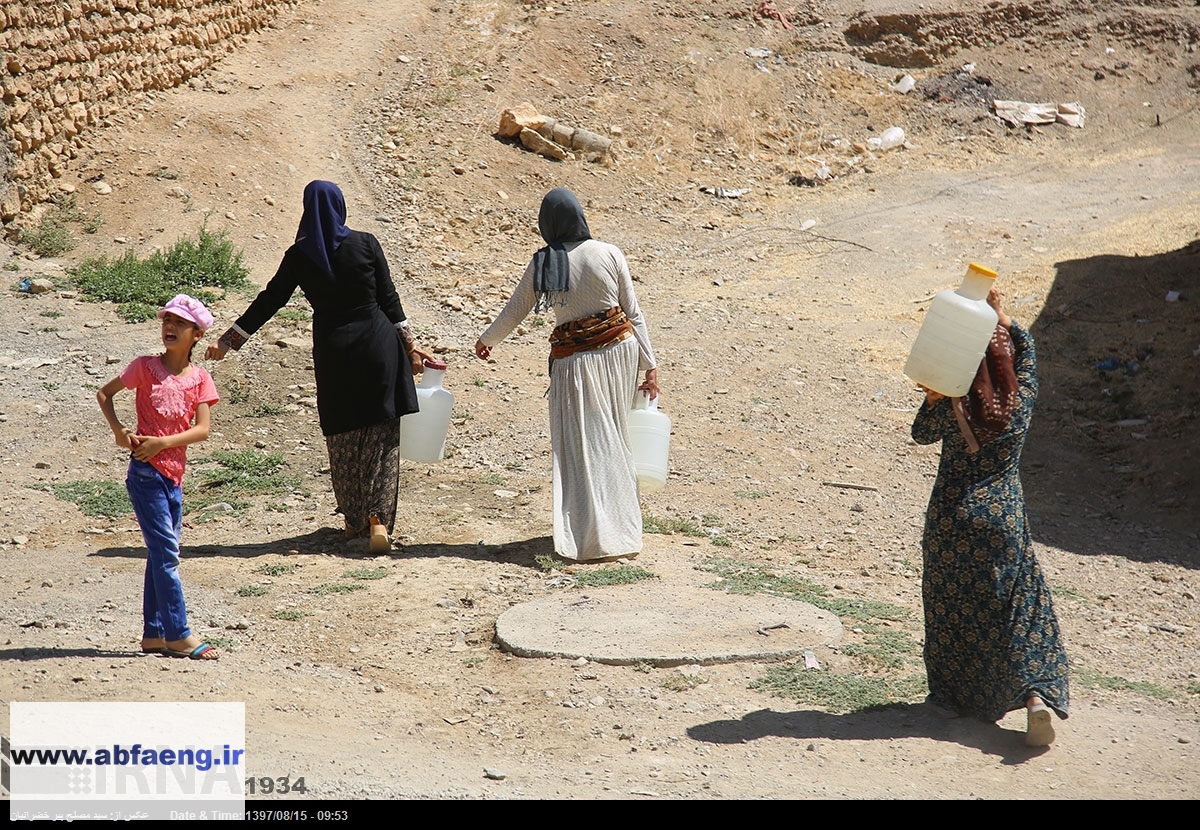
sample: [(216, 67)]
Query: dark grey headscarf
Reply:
[(561, 222)]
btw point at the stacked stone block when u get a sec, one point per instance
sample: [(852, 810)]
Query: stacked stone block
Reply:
[(65, 66)]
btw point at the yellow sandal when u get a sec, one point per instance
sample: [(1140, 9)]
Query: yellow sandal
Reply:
[(380, 543)]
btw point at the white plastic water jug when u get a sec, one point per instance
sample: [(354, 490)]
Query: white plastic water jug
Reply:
[(423, 434), (649, 439), (954, 337)]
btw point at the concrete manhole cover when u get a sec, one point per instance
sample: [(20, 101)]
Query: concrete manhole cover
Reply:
[(664, 625)]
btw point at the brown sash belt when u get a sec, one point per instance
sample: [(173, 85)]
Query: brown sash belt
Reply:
[(589, 333)]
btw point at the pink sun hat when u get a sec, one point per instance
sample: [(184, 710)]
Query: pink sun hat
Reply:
[(190, 309)]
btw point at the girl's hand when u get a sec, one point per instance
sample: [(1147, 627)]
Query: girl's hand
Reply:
[(145, 448), (482, 351), (651, 383), (993, 299), (124, 438)]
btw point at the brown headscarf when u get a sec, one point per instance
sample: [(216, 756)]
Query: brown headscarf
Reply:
[(985, 411)]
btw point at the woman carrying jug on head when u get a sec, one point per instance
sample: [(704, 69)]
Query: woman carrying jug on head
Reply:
[(598, 346), (992, 641)]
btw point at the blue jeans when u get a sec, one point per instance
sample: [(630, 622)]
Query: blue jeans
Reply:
[(158, 505)]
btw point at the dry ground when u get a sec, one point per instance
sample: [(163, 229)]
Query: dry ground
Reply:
[(781, 320)]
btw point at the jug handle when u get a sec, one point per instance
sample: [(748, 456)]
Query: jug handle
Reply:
[(642, 400)]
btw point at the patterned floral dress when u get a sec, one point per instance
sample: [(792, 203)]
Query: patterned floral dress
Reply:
[(991, 637)]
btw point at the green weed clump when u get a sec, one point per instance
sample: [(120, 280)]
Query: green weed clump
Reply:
[(247, 472), (335, 588), (1096, 680), (738, 577), (275, 570), (840, 693), (681, 681), (223, 506), (234, 391), (251, 591), (289, 614), (50, 238), (1067, 592), (620, 575), (238, 474), (296, 315), (141, 286), (668, 526), (95, 498), (366, 573), (548, 563), (884, 647), (265, 409)]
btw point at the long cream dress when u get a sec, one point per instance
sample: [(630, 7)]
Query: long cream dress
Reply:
[(597, 514)]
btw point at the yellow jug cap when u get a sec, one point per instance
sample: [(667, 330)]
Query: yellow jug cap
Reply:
[(982, 269)]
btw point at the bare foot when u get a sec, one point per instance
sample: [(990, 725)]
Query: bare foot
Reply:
[(153, 645)]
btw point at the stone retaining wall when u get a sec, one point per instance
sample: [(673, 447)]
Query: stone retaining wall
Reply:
[(66, 65)]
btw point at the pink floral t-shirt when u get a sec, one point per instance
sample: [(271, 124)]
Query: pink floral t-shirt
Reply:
[(166, 405)]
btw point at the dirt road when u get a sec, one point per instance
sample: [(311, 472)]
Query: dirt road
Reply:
[(781, 345)]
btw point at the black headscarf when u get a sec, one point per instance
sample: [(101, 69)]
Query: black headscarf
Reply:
[(323, 225), (561, 222)]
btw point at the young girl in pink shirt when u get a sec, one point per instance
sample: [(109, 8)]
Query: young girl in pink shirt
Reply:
[(172, 402)]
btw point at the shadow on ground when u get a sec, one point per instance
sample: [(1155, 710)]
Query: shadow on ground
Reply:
[(1112, 465), (55, 653), (903, 721), (332, 542)]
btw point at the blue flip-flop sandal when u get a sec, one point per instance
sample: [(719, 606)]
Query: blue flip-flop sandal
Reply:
[(195, 654)]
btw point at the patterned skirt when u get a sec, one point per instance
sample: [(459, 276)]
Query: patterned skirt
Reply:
[(991, 636), (364, 465)]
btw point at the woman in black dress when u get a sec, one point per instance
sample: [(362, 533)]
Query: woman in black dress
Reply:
[(363, 356)]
